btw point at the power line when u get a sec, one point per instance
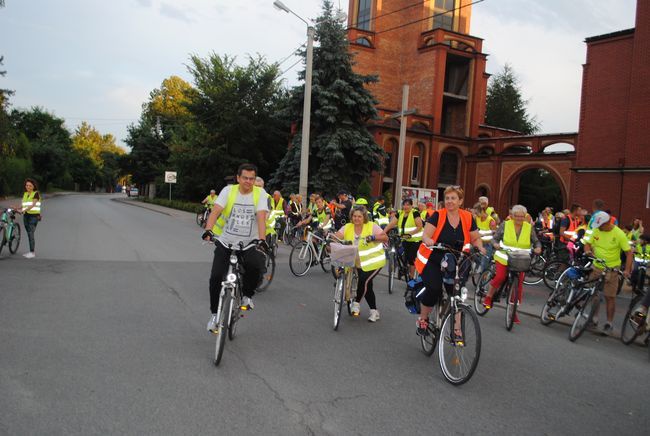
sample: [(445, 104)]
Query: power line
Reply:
[(293, 53), (293, 65), (428, 18)]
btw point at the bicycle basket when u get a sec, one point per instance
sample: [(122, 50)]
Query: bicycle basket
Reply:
[(519, 261), (343, 255)]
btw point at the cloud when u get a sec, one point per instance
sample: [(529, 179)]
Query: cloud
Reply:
[(128, 99), (144, 3), (175, 13)]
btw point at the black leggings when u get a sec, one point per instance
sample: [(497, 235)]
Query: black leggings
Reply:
[(253, 263), (364, 287)]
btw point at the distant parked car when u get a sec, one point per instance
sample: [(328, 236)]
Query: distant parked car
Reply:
[(133, 192)]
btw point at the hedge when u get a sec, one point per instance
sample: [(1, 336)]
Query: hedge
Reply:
[(174, 204)]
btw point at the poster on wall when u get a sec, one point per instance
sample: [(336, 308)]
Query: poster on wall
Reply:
[(420, 195)]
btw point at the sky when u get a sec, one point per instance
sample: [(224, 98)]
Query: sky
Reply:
[(97, 61)]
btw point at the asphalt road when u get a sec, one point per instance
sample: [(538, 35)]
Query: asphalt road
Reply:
[(104, 333)]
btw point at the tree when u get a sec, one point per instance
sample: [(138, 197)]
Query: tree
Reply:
[(342, 150), (506, 107), (50, 144), (236, 116), (149, 152)]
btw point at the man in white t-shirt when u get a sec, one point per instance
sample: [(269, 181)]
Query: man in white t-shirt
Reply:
[(237, 217)]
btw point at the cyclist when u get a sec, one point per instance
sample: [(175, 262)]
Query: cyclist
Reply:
[(369, 237), (379, 214), (641, 254), (409, 225), (210, 199), (515, 233), (486, 227), (451, 226), (295, 208), (485, 204), (320, 217), (343, 208), (606, 241), (31, 210), (237, 217), (422, 210)]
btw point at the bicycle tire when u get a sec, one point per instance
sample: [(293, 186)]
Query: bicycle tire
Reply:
[(199, 218), (481, 291), (338, 301), (391, 272), (14, 240), (584, 316), (512, 301), (325, 261), (550, 303), (267, 277), (300, 259), (630, 331), (452, 355), (222, 325), (535, 274), (552, 272), (3, 240), (429, 342), (235, 316)]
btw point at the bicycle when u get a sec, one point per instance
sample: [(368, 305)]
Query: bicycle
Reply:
[(346, 277), (292, 234), (307, 253), (458, 355), (634, 326), (267, 276), (202, 216), (10, 230), (229, 310), (396, 260), (519, 261), (272, 238)]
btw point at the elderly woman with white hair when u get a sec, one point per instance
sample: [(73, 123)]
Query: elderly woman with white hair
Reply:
[(513, 234)]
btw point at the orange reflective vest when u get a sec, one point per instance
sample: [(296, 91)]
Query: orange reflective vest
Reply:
[(571, 230), (424, 252)]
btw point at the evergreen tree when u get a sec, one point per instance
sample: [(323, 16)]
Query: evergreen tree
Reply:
[(342, 150), (506, 107)]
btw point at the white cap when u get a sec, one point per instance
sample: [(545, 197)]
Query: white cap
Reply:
[(601, 218)]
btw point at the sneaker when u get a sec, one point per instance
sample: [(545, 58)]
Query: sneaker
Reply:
[(212, 324), (487, 302), (247, 303), (374, 315), (422, 327), (607, 329), (29, 255), (516, 320), (355, 308)]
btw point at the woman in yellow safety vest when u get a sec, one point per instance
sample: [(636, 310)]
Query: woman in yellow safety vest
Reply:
[(409, 225), (31, 210), (514, 234), (369, 237)]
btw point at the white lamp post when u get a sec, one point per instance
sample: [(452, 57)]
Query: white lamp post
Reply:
[(306, 110)]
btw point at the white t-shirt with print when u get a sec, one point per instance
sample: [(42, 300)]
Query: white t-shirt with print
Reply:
[(241, 225)]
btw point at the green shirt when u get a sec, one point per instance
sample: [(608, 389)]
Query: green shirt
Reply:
[(608, 246)]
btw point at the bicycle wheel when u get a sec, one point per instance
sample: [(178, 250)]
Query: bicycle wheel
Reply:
[(552, 272), (267, 276), (223, 322), (535, 274), (481, 291), (458, 360), (475, 272), (274, 245), (14, 239), (391, 272), (3, 239), (429, 342), (512, 301), (338, 300), (300, 259), (549, 305), (235, 316), (631, 327), (325, 261), (584, 316)]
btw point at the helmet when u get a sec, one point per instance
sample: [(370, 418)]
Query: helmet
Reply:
[(362, 201)]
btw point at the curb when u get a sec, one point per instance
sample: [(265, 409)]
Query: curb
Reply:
[(141, 205)]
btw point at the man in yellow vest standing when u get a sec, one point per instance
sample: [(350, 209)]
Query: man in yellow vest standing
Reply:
[(238, 216)]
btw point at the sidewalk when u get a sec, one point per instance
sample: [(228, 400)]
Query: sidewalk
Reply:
[(132, 201)]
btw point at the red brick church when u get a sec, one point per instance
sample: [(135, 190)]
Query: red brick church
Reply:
[(429, 47)]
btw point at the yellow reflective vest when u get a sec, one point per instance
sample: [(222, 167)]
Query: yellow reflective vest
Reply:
[(217, 229), (410, 227), (510, 240), (371, 254), (28, 200)]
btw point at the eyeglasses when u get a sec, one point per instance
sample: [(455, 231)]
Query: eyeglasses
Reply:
[(247, 179)]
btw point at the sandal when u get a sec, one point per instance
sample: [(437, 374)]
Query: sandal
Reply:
[(423, 327), (457, 337)]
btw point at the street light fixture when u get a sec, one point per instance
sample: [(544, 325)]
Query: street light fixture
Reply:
[(306, 110)]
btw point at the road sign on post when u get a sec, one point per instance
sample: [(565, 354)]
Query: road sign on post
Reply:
[(170, 177)]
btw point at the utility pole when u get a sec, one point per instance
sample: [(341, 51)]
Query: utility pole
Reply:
[(402, 144), (306, 118)]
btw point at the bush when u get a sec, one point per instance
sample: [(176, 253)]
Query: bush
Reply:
[(174, 204)]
